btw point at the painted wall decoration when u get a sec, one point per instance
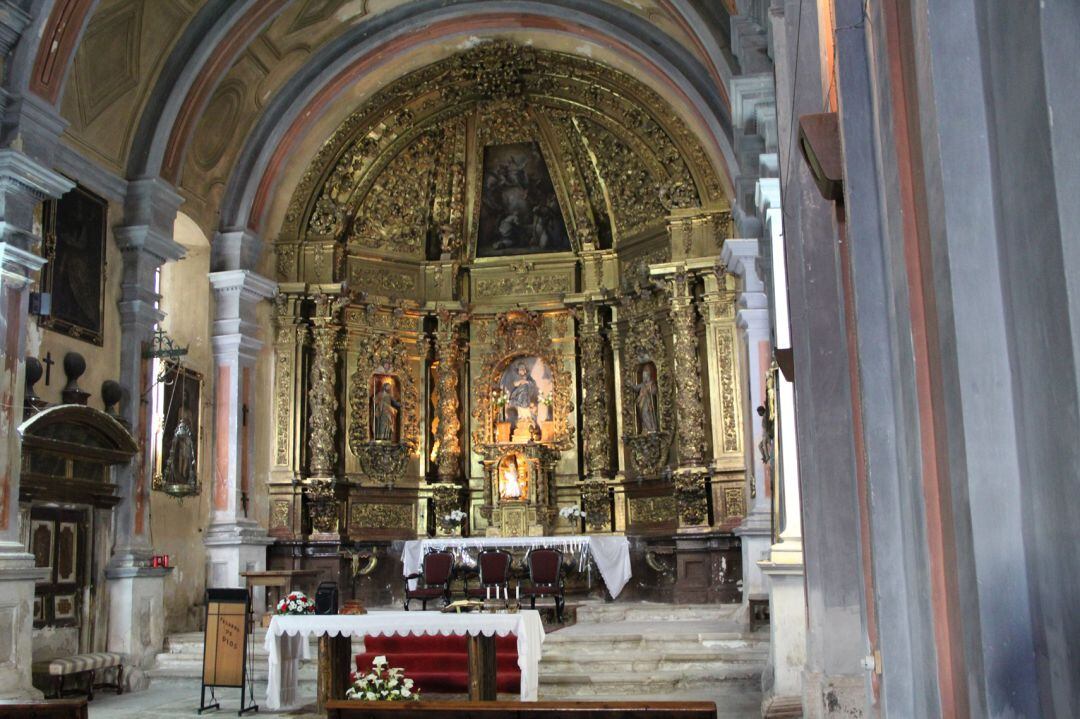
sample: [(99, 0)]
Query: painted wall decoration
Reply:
[(519, 212), (74, 229)]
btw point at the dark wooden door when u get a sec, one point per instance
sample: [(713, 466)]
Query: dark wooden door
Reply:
[(58, 542)]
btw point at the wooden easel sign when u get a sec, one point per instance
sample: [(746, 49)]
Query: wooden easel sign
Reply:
[(225, 643)]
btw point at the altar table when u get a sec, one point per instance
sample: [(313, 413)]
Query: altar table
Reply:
[(286, 641), (611, 552)]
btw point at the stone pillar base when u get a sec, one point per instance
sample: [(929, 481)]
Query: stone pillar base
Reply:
[(137, 619), (756, 535), (17, 577), (834, 697), (787, 632), (235, 547)]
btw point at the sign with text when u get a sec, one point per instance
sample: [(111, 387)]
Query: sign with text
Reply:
[(225, 638)]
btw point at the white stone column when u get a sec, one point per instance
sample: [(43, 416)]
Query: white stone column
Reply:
[(24, 183), (752, 318), (234, 542)]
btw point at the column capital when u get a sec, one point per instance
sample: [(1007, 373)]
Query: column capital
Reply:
[(16, 264), (19, 171), (235, 249), (237, 293), (741, 257)]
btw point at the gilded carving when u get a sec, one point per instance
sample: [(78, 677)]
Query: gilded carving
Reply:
[(691, 414), (283, 390), (596, 503), (733, 502), (532, 283), (322, 394), (383, 459), (380, 516), (651, 510), (728, 400), (378, 280), (691, 497), (643, 352), (594, 384), (449, 425), (520, 334), (445, 498), (322, 505), (280, 514)]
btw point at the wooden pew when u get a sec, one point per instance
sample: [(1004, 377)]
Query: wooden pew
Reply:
[(337, 709), (44, 709)]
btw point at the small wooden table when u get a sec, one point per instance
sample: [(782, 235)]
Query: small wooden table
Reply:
[(282, 580)]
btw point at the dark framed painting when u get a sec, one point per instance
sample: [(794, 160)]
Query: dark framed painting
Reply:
[(176, 462), (519, 210), (74, 230)]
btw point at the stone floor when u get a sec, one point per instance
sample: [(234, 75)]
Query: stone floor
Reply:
[(614, 652)]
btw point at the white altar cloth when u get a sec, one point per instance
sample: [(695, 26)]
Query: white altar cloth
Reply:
[(286, 641), (611, 552)]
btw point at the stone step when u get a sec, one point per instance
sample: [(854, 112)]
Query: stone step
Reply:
[(729, 615), (572, 684)]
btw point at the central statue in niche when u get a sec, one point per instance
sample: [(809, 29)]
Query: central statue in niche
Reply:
[(524, 394), (384, 409)]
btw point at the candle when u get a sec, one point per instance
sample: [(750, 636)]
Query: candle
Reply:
[(488, 589), (517, 592)]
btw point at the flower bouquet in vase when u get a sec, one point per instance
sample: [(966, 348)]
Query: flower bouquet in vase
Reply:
[(296, 603), (382, 684), (574, 515)]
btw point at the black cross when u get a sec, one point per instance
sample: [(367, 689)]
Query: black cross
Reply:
[(49, 362)]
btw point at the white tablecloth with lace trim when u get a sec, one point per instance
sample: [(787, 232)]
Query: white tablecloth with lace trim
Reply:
[(286, 641), (610, 552)]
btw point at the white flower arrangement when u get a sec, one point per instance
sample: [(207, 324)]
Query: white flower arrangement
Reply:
[(296, 603), (454, 518), (382, 684), (571, 513)]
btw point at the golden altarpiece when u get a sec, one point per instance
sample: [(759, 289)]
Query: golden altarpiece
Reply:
[(500, 297)]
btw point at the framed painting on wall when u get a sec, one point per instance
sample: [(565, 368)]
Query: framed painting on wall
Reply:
[(176, 449), (74, 230)]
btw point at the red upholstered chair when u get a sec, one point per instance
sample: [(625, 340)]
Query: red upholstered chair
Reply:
[(494, 568), (437, 572), (545, 572)]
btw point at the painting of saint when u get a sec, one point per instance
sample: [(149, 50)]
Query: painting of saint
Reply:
[(519, 211), (525, 384), (385, 408), (74, 245), (178, 462)]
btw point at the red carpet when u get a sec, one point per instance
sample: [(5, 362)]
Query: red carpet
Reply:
[(438, 664)]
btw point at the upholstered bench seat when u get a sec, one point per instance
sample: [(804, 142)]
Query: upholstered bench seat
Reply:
[(80, 664)]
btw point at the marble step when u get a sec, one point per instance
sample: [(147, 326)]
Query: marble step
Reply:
[(653, 661), (632, 683), (724, 616)]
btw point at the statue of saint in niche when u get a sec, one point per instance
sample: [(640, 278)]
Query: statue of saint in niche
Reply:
[(645, 403), (511, 482), (384, 409), (523, 383)]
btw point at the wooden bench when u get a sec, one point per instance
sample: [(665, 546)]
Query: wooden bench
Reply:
[(337, 709), (59, 669), (46, 709)]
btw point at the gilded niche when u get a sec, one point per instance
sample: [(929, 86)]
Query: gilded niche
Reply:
[(648, 382), (522, 394), (384, 428)]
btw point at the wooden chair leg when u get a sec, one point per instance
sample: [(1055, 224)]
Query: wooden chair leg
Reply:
[(532, 602), (119, 679), (58, 686), (90, 687)]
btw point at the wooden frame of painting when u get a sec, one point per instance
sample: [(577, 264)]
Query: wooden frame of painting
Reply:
[(182, 391), (74, 229)]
